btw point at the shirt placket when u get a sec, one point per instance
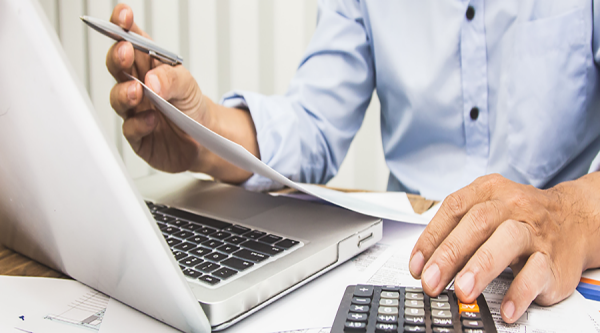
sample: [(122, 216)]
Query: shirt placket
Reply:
[(473, 55)]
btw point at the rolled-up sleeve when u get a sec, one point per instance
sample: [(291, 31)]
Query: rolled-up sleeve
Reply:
[(595, 166), (306, 133)]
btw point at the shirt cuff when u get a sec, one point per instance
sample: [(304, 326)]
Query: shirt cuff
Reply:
[(249, 101)]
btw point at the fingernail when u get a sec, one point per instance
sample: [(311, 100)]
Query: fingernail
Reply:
[(131, 91), (123, 16), (150, 119), (122, 53), (416, 264), (431, 277), (153, 82), (509, 309), (466, 283)]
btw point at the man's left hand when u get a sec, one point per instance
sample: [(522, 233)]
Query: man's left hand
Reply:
[(548, 237)]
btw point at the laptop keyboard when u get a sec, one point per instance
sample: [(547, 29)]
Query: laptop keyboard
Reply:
[(212, 251)]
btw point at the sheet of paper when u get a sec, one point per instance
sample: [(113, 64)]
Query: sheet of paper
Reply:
[(594, 313), (239, 156), (44, 305)]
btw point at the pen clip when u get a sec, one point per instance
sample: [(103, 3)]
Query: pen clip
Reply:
[(162, 58)]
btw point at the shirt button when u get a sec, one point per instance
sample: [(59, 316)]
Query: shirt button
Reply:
[(470, 13), (474, 113)]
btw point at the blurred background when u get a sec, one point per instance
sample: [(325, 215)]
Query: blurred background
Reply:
[(252, 45)]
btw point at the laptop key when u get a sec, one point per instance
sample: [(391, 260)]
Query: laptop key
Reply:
[(185, 246), (170, 230), (254, 234), (206, 231), (228, 248), (183, 234), (212, 243), (209, 279), (270, 239), (191, 226), (197, 239), (173, 241), (199, 251), (190, 261), (224, 273), (207, 267), (237, 264), (237, 229), (191, 273), (179, 255), (250, 255), (235, 240), (287, 243), (220, 235), (195, 218), (162, 218), (215, 256), (260, 247)]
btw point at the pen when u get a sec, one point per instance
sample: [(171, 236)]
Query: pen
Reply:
[(139, 42)]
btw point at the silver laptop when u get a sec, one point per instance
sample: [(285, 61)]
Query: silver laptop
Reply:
[(196, 255)]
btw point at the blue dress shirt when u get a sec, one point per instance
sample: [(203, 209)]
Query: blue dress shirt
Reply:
[(467, 88)]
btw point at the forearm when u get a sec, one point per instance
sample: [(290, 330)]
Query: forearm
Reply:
[(233, 124)]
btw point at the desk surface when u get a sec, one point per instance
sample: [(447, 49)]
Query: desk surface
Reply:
[(12, 263)]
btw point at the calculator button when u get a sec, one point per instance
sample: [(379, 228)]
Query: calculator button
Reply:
[(442, 322), (390, 294), (443, 330), (414, 329), (470, 307), (382, 327), (390, 288), (414, 304), (414, 312), (357, 316), (470, 315), (386, 310), (473, 330), (415, 296), (412, 320), (472, 324), (440, 305), (443, 314), (363, 291), (355, 326), (387, 318), (413, 290), (361, 300), (359, 308), (388, 302), (440, 298)]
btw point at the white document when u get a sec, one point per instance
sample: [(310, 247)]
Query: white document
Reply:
[(239, 156), (45, 305)]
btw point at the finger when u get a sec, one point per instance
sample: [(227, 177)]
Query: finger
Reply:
[(125, 96), (170, 82), (462, 242), (452, 210), (527, 285), (120, 58), (122, 16), (510, 240), (138, 126)]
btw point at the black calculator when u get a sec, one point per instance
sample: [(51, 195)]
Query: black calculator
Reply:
[(386, 309)]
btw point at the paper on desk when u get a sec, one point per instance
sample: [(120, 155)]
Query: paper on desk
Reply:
[(239, 156), (45, 305)]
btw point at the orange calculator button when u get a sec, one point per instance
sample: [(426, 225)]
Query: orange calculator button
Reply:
[(467, 307)]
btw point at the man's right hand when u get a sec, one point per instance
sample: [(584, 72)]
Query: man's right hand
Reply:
[(152, 136)]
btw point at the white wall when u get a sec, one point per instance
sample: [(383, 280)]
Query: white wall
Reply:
[(226, 44)]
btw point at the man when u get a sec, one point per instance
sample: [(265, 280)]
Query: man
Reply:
[(477, 99)]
